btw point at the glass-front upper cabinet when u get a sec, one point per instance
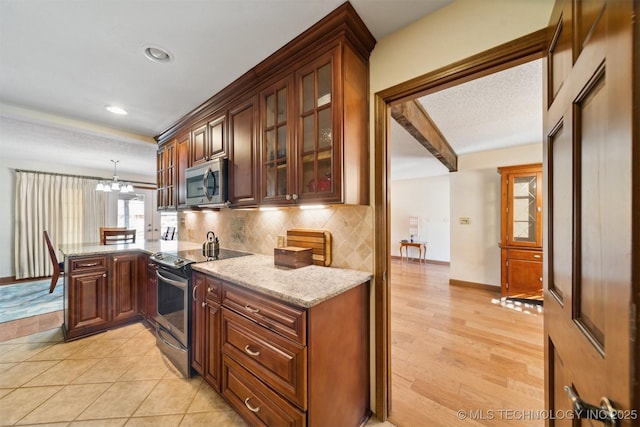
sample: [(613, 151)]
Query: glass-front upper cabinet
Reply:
[(522, 201), (316, 130), (277, 169)]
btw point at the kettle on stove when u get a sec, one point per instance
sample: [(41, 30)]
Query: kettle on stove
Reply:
[(211, 246)]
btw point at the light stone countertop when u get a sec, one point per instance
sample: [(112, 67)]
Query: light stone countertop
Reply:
[(148, 246), (304, 287)]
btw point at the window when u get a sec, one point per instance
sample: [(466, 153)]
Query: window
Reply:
[(131, 213)]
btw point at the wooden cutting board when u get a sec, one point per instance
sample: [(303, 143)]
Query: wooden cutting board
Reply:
[(318, 240)]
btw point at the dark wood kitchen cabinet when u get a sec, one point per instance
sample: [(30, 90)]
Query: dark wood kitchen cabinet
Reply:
[(166, 176), (277, 152), (100, 292), (324, 161), (521, 231), (124, 287), (277, 357), (172, 162), (243, 165), (182, 163), (147, 295), (298, 122), (205, 331), (208, 140), (86, 297)]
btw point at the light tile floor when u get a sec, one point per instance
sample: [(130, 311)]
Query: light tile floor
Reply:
[(115, 378)]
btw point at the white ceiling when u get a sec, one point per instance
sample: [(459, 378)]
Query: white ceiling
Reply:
[(72, 58), (500, 110)]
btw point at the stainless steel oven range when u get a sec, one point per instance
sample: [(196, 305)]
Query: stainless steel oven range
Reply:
[(174, 290)]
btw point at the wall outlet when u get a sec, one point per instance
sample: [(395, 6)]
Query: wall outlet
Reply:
[(280, 242), (465, 220)]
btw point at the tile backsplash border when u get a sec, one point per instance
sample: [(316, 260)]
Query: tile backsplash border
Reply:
[(351, 228)]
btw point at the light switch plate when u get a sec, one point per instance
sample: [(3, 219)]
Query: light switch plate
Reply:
[(465, 220)]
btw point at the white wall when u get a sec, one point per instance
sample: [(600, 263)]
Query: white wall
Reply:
[(457, 31), (475, 194), (24, 146), (428, 199)]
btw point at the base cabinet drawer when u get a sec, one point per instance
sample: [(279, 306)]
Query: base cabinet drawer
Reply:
[(256, 402), (278, 362)]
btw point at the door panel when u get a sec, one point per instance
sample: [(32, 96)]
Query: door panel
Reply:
[(589, 320)]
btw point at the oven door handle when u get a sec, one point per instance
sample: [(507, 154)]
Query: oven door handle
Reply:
[(181, 285), (167, 342)]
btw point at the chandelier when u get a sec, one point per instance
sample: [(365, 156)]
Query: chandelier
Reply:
[(114, 185)]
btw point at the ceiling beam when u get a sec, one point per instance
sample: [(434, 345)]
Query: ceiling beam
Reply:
[(412, 116)]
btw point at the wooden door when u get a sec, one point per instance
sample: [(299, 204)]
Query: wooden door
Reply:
[(592, 244)]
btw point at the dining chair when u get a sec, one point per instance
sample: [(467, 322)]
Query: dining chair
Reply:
[(114, 237), (103, 229), (57, 266)]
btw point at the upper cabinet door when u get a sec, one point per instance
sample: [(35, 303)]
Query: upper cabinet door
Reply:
[(277, 152), (208, 141), (198, 145), (319, 139), (243, 165)]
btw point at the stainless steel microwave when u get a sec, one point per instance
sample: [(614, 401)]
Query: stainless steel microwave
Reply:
[(206, 183)]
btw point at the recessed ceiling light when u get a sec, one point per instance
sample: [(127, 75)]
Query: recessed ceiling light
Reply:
[(116, 110), (157, 54)]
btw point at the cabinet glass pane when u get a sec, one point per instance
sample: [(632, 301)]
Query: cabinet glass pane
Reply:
[(308, 96), (524, 213), (324, 85), (308, 132), (271, 144), (282, 105), (308, 175), (324, 124), (282, 141), (271, 180), (270, 110), (282, 178)]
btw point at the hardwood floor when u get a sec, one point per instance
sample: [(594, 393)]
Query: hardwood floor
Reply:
[(461, 349)]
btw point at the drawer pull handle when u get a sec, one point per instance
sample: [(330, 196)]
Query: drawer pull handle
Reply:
[(92, 264), (537, 256), (252, 310), (251, 352), (251, 408)]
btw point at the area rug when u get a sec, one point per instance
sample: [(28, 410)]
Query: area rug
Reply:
[(28, 299)]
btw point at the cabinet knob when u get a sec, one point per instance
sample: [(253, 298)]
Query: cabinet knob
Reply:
[(104, 274), (288, 197), (204, 304), (210, 289), (294, 197), (541, 279)]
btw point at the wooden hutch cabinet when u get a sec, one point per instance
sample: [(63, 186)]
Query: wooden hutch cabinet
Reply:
[(521, 231), (296, 125)]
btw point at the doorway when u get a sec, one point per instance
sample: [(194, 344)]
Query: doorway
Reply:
[(514, 53)]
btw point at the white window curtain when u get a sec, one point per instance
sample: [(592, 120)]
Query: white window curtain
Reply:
[(68, 207)]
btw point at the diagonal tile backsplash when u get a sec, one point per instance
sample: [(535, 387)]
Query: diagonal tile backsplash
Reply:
[(351, 228)]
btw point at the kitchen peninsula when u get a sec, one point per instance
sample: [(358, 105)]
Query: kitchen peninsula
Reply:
[(282, 346)]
